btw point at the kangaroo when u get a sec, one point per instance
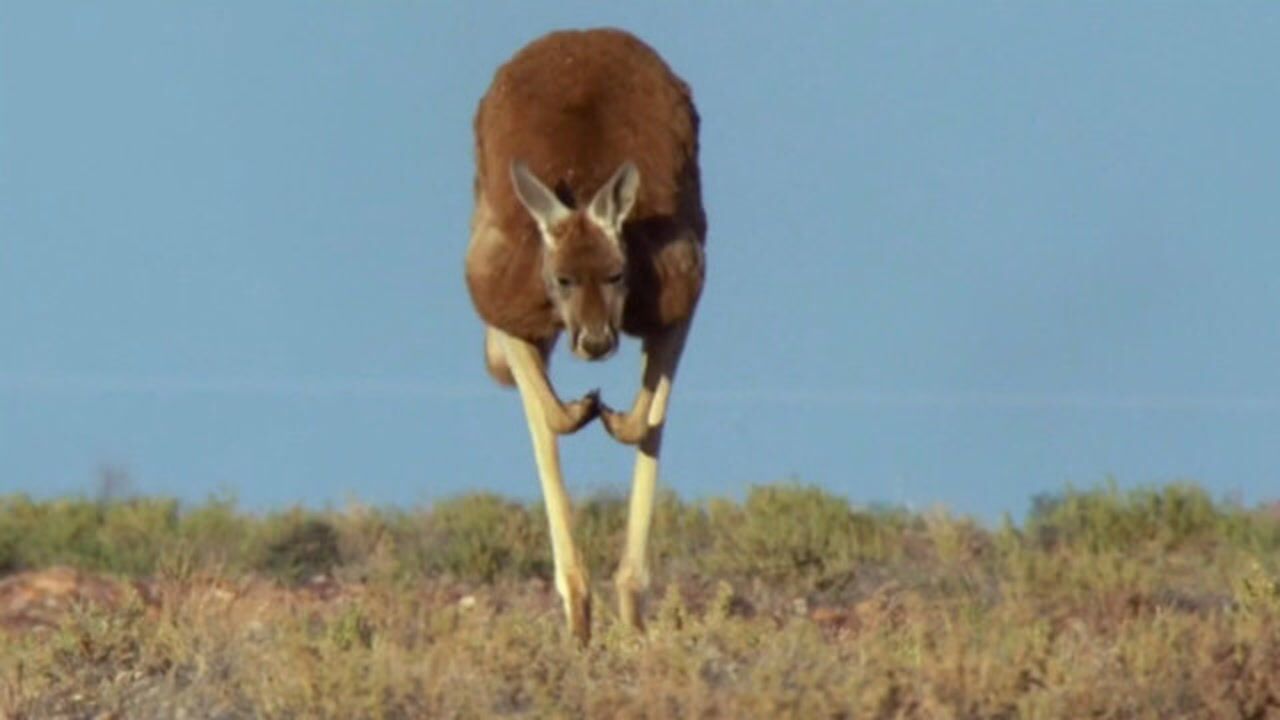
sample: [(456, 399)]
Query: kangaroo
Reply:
[(588, 221)]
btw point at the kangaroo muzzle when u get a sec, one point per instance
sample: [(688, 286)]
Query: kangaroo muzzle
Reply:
[(596, 344)]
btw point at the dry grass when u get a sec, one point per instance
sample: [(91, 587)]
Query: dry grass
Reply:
[(1104, 604)]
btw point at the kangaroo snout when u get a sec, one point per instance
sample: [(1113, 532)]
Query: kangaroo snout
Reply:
[(595, 344)]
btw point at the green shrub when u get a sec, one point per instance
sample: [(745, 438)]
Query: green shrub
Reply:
[(134, 532), (218, 534), (299, 548), (123, 536), (600, 530), (9, 551), (1109, 519), (53, 532), (785, 531), (680, 537), (482, 536)]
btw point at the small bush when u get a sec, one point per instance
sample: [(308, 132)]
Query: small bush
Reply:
[(600, 529), (302, 547), (785, 531), (54, 532), (1257, 591), (218, 534), (1110, 519), (482, 536), (134, 532), (681, 535), (380, 544), (9, 553), (123, 536)]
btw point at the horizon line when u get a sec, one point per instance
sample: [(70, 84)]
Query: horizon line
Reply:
[(390, 388)]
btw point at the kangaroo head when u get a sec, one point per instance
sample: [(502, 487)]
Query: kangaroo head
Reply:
[(583, 262)]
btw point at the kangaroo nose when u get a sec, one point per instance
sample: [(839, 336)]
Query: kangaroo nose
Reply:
[(594, 345)]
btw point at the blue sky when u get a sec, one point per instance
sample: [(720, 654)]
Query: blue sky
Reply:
[(959, 254)]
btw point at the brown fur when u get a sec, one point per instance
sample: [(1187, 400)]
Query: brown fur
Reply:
[(573, 106)]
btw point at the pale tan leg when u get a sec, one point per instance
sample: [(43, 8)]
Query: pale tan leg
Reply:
[(562, 418), (528, 365), (661, 356)]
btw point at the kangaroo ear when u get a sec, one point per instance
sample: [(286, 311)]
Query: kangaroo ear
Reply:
[(613, 202), (542, 204)]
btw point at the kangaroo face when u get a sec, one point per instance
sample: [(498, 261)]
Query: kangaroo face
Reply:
[(583, 262)]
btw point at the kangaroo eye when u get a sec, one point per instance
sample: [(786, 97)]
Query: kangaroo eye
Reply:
[(614, 279), (564, 282)]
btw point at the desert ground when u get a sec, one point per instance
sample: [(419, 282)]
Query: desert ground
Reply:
[(1159, 602)]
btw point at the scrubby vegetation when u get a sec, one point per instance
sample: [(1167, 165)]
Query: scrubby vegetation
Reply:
[(1155, 602)]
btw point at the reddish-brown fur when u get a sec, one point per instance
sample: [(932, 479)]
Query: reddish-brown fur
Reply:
[(574, 106)]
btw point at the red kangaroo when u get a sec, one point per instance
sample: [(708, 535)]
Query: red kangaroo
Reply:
[(588, 221)]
